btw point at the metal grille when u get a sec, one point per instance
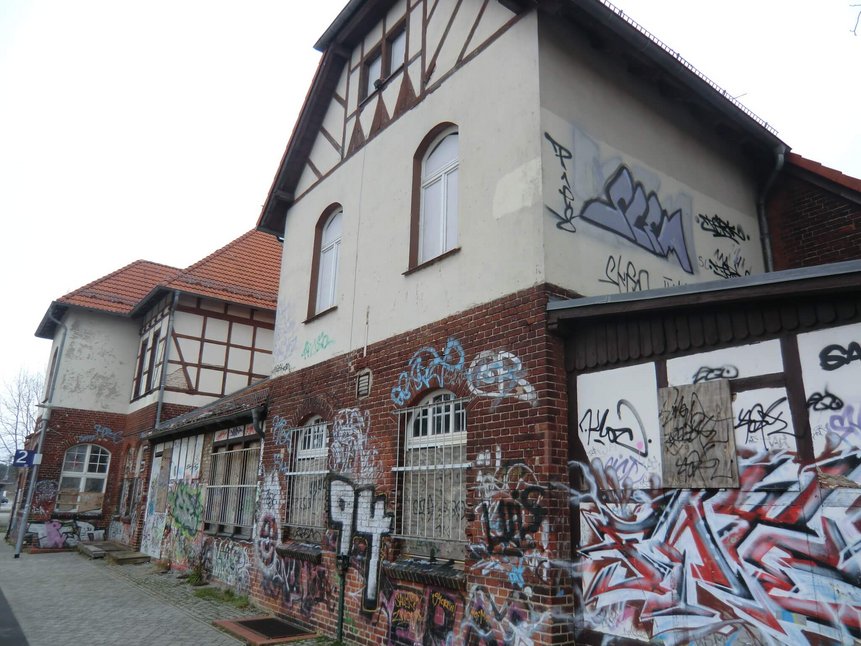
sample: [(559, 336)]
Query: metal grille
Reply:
[(304, 467), (230, 494), (431, 482)]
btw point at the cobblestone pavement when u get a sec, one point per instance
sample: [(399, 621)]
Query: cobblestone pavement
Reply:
[(67, 598)]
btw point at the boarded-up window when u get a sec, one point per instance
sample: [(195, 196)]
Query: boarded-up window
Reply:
[(697, 437)]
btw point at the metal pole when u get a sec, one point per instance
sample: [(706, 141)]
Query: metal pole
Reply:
[(343, 564), (25, 513), (34, 472)]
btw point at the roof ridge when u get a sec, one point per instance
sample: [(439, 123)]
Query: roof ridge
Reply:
[(100, 279)]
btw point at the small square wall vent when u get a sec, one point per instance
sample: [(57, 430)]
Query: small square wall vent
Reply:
[(363, 384)]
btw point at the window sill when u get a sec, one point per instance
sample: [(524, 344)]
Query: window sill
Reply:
[(300, 551), (441, 574), (318, 315), (383, 82), (432, 261)]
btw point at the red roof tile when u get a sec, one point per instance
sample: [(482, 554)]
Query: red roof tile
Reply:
[(245, 271), (835, 176), (119, 292)]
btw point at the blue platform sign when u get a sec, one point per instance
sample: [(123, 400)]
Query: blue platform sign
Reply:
[(23, 458)]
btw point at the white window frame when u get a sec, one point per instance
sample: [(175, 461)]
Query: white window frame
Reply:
[(95, 466), (308, 449), (444, 234), (329, 252), (231, 489), (428, 465)]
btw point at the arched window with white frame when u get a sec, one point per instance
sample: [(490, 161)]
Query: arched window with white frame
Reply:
[(439, 197), (83, 479), (325, 270), (432, 475)]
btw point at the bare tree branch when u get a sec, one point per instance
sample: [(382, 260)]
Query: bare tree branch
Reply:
[(854, 30), (18, 412)]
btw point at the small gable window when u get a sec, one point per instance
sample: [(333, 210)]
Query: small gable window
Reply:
[(384, 60)]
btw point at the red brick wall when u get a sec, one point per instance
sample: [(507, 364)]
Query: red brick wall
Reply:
[(810, 225), (66, 428), (505, 575)]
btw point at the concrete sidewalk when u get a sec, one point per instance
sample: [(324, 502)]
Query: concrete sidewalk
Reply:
[(66, 598)]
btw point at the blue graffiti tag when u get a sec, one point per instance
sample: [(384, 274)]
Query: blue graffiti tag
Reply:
[(426, 367)]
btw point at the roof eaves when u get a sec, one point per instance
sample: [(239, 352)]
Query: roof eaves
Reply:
[(798, 281)]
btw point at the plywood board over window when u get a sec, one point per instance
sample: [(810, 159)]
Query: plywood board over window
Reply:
[(697, 436)]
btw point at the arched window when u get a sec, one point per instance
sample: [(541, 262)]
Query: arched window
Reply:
[(432, 476), (324, 271), (438, 225), (82, 481)]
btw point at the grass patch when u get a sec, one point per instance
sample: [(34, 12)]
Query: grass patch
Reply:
[(225, 596)]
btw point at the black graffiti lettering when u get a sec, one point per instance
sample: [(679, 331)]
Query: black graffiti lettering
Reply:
[(594, 425), (689, 424), (705, 373), (626, 278), (566, 218), (824, 401), (761, 421), (629, 211), (692, 463), (836, 356), (720, 228)]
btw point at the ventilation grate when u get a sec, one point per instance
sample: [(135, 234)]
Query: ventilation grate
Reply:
[(363, 384)]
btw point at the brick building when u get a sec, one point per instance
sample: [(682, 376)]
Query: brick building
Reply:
[(464, 179), (131, 350)]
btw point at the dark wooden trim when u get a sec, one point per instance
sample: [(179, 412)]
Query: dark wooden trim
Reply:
[(432, 261), (797, 399), (442, 40), (471, 33), (332, 141), (772, 380), (314, 317)]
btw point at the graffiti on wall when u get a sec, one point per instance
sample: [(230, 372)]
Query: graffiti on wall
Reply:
[(356, 512), (101, 433), (720, 228), (321, 342), (286, 338), (618, 425), (697, 436), (425, 616), (153, 531), (741, 564), (499, 374), (487, 623), (515, 529), (44, 496), (630, 211), (227, 561), (350, 451), (59, 534), (492, 373), (186, 507), (831, 371)]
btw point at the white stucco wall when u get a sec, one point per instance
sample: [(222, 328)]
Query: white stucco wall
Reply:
[(604, 120), (492, 99), (97, 365)]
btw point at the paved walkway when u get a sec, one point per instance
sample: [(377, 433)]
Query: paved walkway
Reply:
[(66, 598)]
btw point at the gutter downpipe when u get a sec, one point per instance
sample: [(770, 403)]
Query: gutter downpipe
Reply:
[(165, 359), (48, 405), (764, 233)]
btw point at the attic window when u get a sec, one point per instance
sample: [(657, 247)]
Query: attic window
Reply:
[(384, 60), (363, 384)]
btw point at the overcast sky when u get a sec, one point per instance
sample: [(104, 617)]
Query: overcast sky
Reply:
[(153, 129)]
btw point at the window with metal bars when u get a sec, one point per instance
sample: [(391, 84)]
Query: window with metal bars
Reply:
[(232, 489), (431, 478), (303, 457)]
